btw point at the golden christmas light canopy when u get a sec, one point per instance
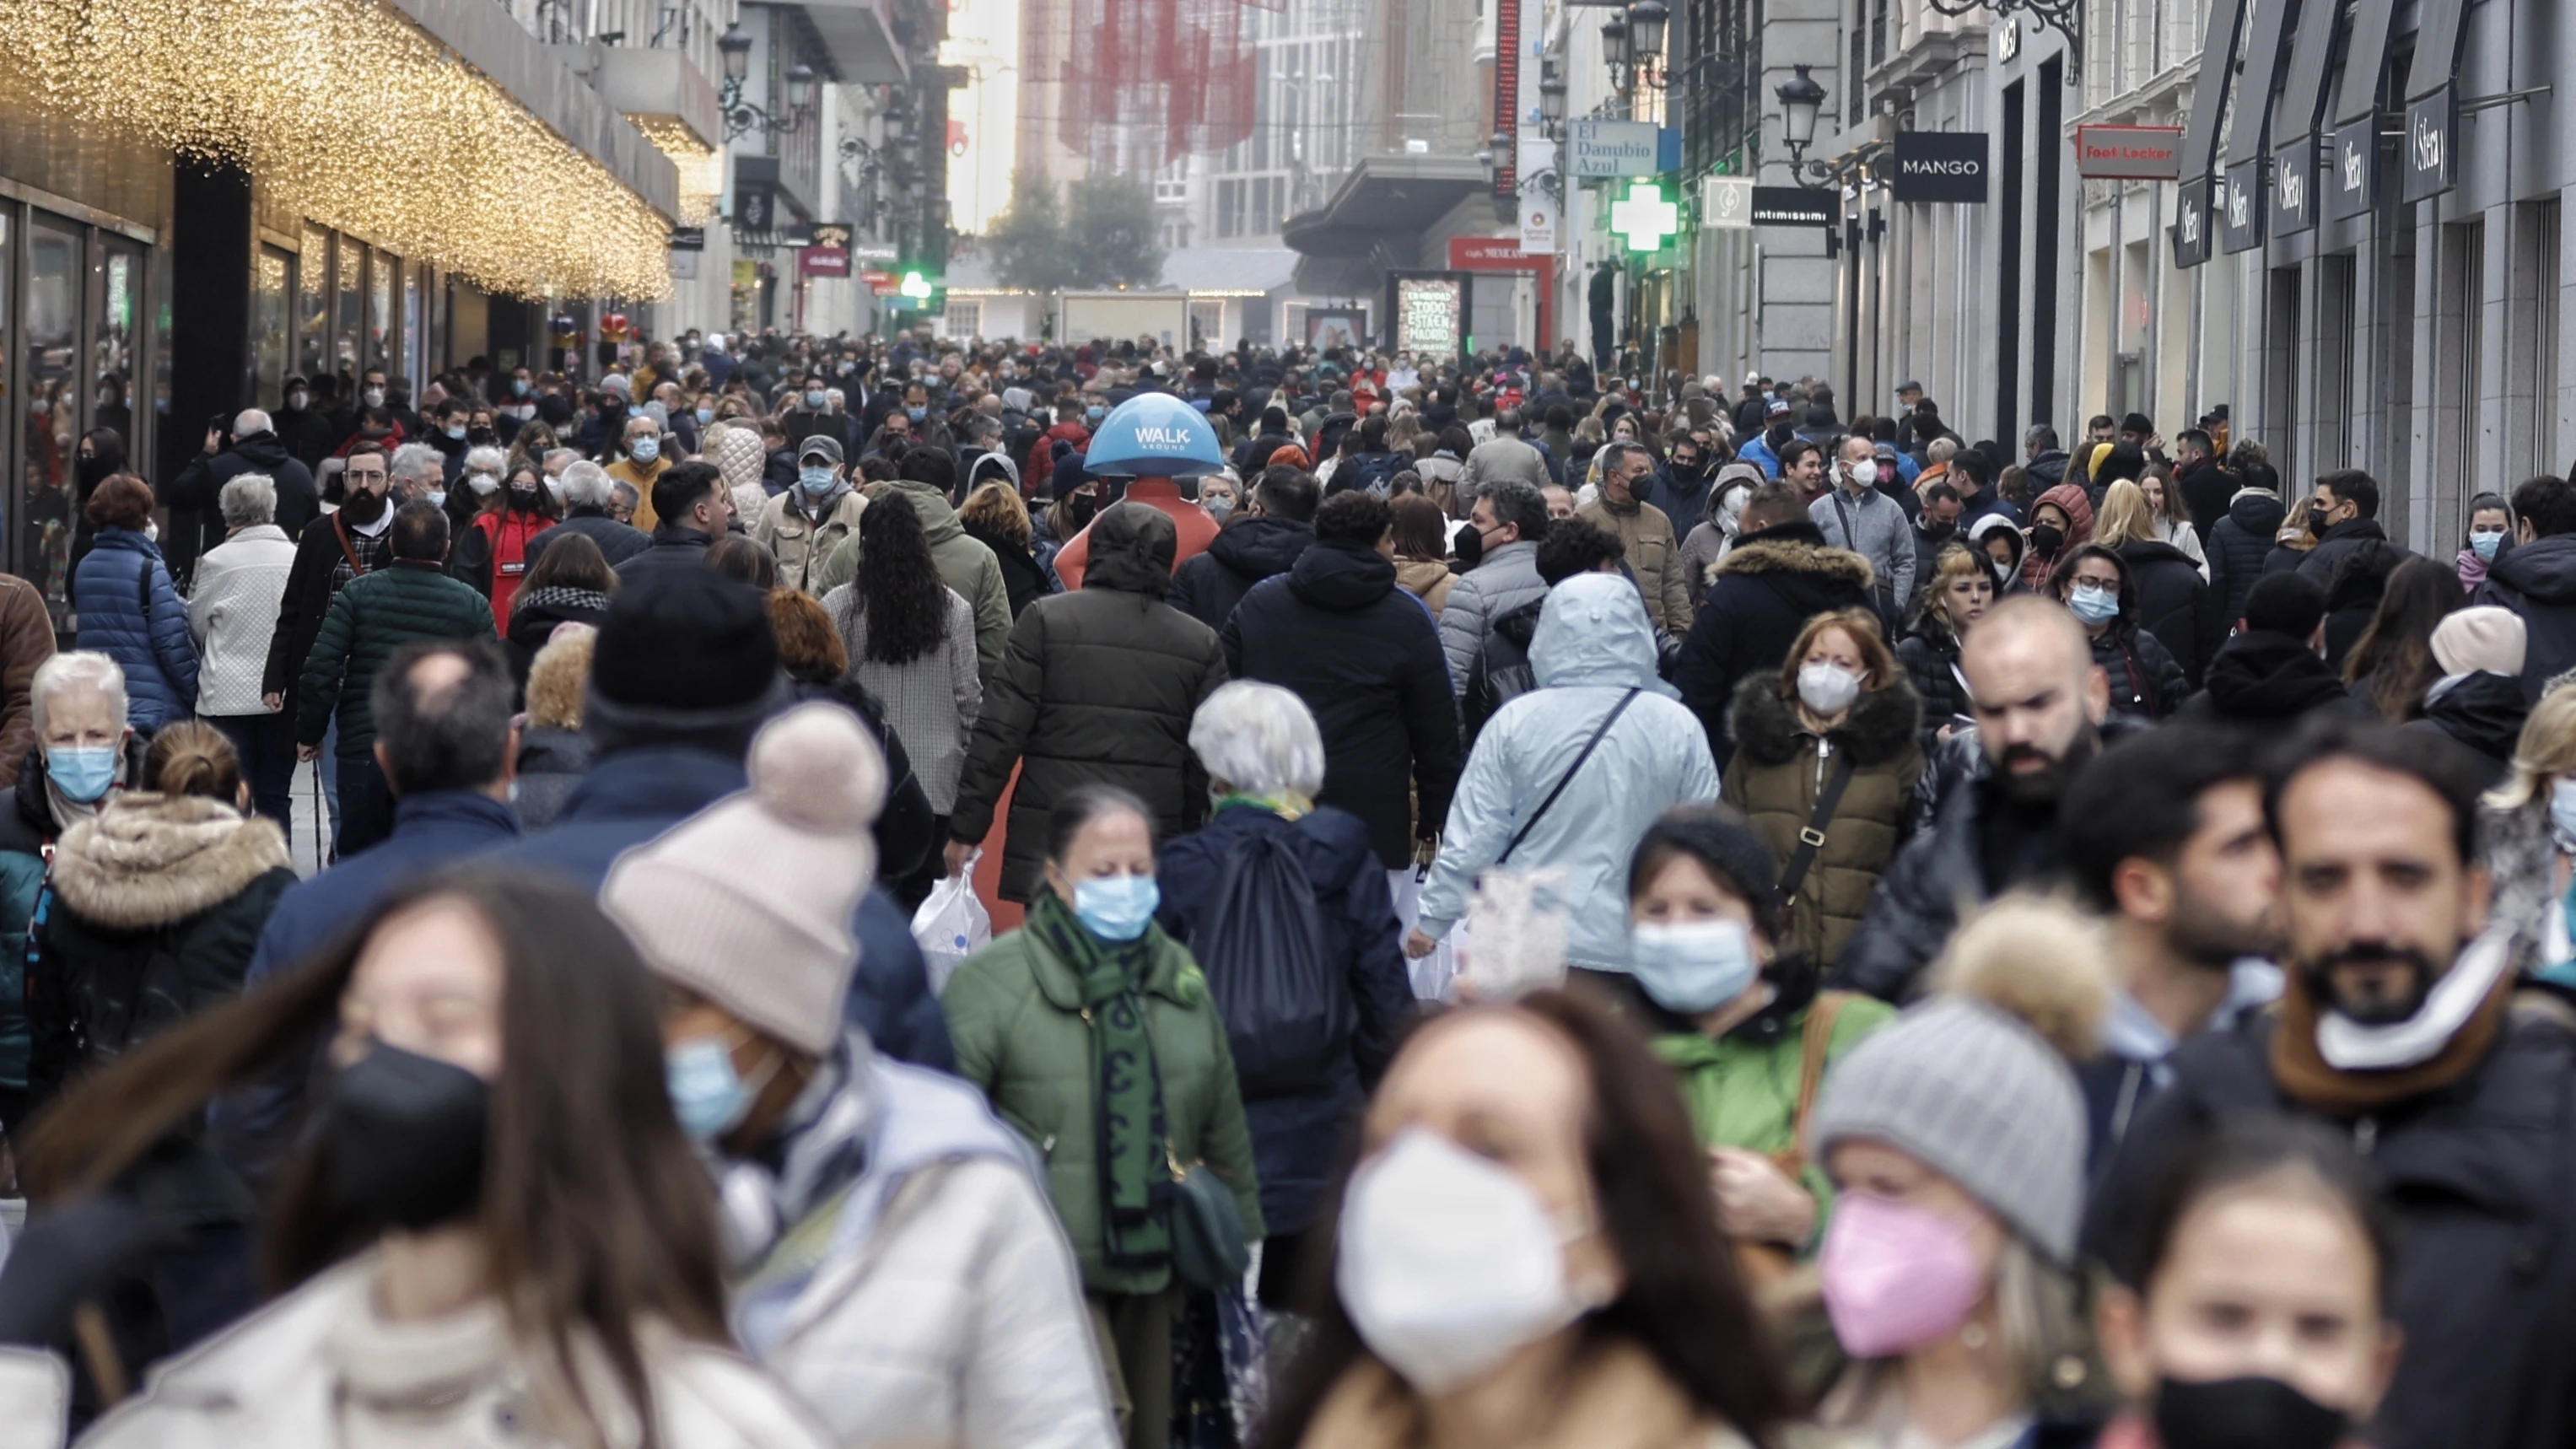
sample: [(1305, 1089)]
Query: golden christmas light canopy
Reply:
[(356, 119), (701, 166)]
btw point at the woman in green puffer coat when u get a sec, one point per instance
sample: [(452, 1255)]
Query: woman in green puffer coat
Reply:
[(1093, 1033), (1741, 1023)]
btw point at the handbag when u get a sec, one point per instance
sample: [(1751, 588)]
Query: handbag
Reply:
[(1210, 1249)]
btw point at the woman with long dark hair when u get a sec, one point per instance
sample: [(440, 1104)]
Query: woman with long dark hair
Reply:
[(2391, 665), (1527, 1255), (570, 583), (492, 552), (494, 1218), (911, 642)]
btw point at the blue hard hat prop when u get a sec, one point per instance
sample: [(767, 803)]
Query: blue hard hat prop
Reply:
[(1154, 435)]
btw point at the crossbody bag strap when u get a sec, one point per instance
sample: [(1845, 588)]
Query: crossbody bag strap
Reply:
[(1567, 778), (1811, 838), (1813, 1046), (341, 533)]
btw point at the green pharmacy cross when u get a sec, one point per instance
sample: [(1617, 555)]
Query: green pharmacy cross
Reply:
[(1645, 216)]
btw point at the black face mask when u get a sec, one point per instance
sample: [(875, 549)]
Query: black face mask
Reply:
[(405, 1136), (2243, 1414), (2046, 539), (2319, 519), (1080, 506)]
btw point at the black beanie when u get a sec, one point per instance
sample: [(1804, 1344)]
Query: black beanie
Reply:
[(686, 639)]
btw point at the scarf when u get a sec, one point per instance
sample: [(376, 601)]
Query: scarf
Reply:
[(2472, 569), (1133, 1166), (2310, 1080), (1287, 804), (558, 596)]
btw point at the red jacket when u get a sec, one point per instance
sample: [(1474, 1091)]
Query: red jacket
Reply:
[(1042, 454), (498, 556)]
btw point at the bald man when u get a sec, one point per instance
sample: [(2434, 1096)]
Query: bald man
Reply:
[(1985, 817)]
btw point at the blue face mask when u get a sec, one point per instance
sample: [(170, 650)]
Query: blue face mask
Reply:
[(2094, 606), (1116, 907), (436, 497), (1094, 416), (645, 450), (82, 772), (815, 481), (707, 1094), (456, 433), (916, 414), (706, 416), (2485, 544), (1693, 966), (519, 386), (814, 400)]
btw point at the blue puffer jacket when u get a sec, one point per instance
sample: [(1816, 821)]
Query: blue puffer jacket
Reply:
[(157, 653)]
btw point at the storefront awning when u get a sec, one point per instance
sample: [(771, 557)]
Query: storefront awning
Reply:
[(1386, 198)]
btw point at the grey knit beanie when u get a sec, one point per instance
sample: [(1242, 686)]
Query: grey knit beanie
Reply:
[(1975, 1083), (749, 903)]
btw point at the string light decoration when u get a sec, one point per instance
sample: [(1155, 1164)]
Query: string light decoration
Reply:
[(700, 166), (355, 119)]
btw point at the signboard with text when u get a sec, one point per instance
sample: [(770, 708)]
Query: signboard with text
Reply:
[(2430, 144), (1795, 206), (829, 256), (1596, 148), (1941, 166), (2129, 153), (2352, 168), (1726, 202), (2241, 207), (2191, 224), (1429, 312), (2294, 189)]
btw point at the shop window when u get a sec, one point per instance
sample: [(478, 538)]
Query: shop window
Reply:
[(313, 305), (962, 319), (272, 292), (50, 329)]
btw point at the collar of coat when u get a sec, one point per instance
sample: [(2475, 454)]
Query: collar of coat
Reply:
[(150, 859), (1794, 548), (1169, 973), (1767, 727), (1613, 1397)]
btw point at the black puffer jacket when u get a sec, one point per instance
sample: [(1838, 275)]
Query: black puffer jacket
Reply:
[(1096, 686), (1930, 653), (1502, 673), (2319, 566), (1023, 577), (2175, 605), (2260, 678), (2145, 680), (2538, 581), (2483, 714), (1760, 595), (1243, 553), (2206, 491), (2238, 545), (1364, 656)]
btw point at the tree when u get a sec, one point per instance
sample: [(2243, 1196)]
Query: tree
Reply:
[(1112, 234), (1028, 241)]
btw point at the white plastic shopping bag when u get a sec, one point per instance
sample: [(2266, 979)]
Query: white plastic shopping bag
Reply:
[(951, 925)]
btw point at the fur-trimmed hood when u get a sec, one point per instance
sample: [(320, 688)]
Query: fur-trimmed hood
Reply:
[(1794, 548), (1881, 725), (151, 859)]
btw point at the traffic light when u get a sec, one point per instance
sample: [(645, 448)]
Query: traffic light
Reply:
[(1645, 218)]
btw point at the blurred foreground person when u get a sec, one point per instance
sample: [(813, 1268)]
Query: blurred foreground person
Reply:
[(1093, 1033), (1527, 1256), (1955, 1139), (2260, 1317), (895, 1259), (494, 1226)]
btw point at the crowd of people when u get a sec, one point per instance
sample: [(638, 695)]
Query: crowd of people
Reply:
[(1507, 907)]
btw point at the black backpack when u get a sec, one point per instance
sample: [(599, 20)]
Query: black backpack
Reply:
[(1288, 1013)]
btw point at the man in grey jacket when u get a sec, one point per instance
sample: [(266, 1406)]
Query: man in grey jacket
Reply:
[(1856, 516), (1510, 517), (1507, 454)]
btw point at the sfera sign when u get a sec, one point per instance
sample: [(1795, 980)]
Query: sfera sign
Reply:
[(1941, 166)]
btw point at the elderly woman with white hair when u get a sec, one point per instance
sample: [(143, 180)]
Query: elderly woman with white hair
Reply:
[(85, 752), (1230, 891), (492, 552), (241, 583)]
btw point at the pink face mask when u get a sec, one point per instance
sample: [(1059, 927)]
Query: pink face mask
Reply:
[(1895, 1277)]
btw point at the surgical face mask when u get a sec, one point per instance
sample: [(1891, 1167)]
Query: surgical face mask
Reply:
[(1864, 473), (2246, 1413), (815, 481), (1218, 506), (82, 772), (916, 414), (707, 1094), (482, 484), (1895, 1277), (1116, 907), (1689, 967), (405, 1135), (1449, 1264), (1730, 514), (456, 432), (2093, 605), (518, 387), (1828, 689), (374, 397), (814, 400), (706, 416), (2484, 542), (1093, 416), (645, 449), (554, 484), (295, 401), (435, 498)]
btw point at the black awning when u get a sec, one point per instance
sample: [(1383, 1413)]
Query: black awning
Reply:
[(2357, 95), (2209, 98), (2264, 56), (2437, 46), (2294, 116)]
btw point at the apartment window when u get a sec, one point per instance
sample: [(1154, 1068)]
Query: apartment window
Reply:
[(1859, 67), (963, 319), (1878, 32)]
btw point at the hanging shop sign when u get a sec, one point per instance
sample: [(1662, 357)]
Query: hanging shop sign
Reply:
[(829, 256), (2352, 168), (2240, 207), (1598, 148), (2191, 224), (688, 238), (2129, 153), (1726, 202), (1941, 166), (2430, 144), (755, 206), (1795, 206), (2294, 189)]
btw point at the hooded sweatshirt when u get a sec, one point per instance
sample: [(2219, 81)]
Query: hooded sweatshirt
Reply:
[(2079, 529)]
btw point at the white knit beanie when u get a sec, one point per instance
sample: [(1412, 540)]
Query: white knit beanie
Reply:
[(2486, 637), (749, 902)]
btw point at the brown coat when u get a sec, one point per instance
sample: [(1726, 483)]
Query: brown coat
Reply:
[(1427, 579), (1774, 779), (1616, 1397), (26, 641), (1654, 556)]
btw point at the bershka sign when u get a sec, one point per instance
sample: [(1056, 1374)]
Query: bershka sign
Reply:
[(1941, 166), (2129, 153)]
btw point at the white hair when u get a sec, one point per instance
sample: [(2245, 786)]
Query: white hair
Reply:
[(249, 500), (560, 459), (250, 421), (417, 460), (586, 485), (486, 459), (1259, 739), (78, 669)]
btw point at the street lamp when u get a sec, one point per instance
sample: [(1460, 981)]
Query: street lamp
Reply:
[(1614, 48), (736, 50), (1551, 98), (1646, 22), (800, 87), (1801, 98)]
